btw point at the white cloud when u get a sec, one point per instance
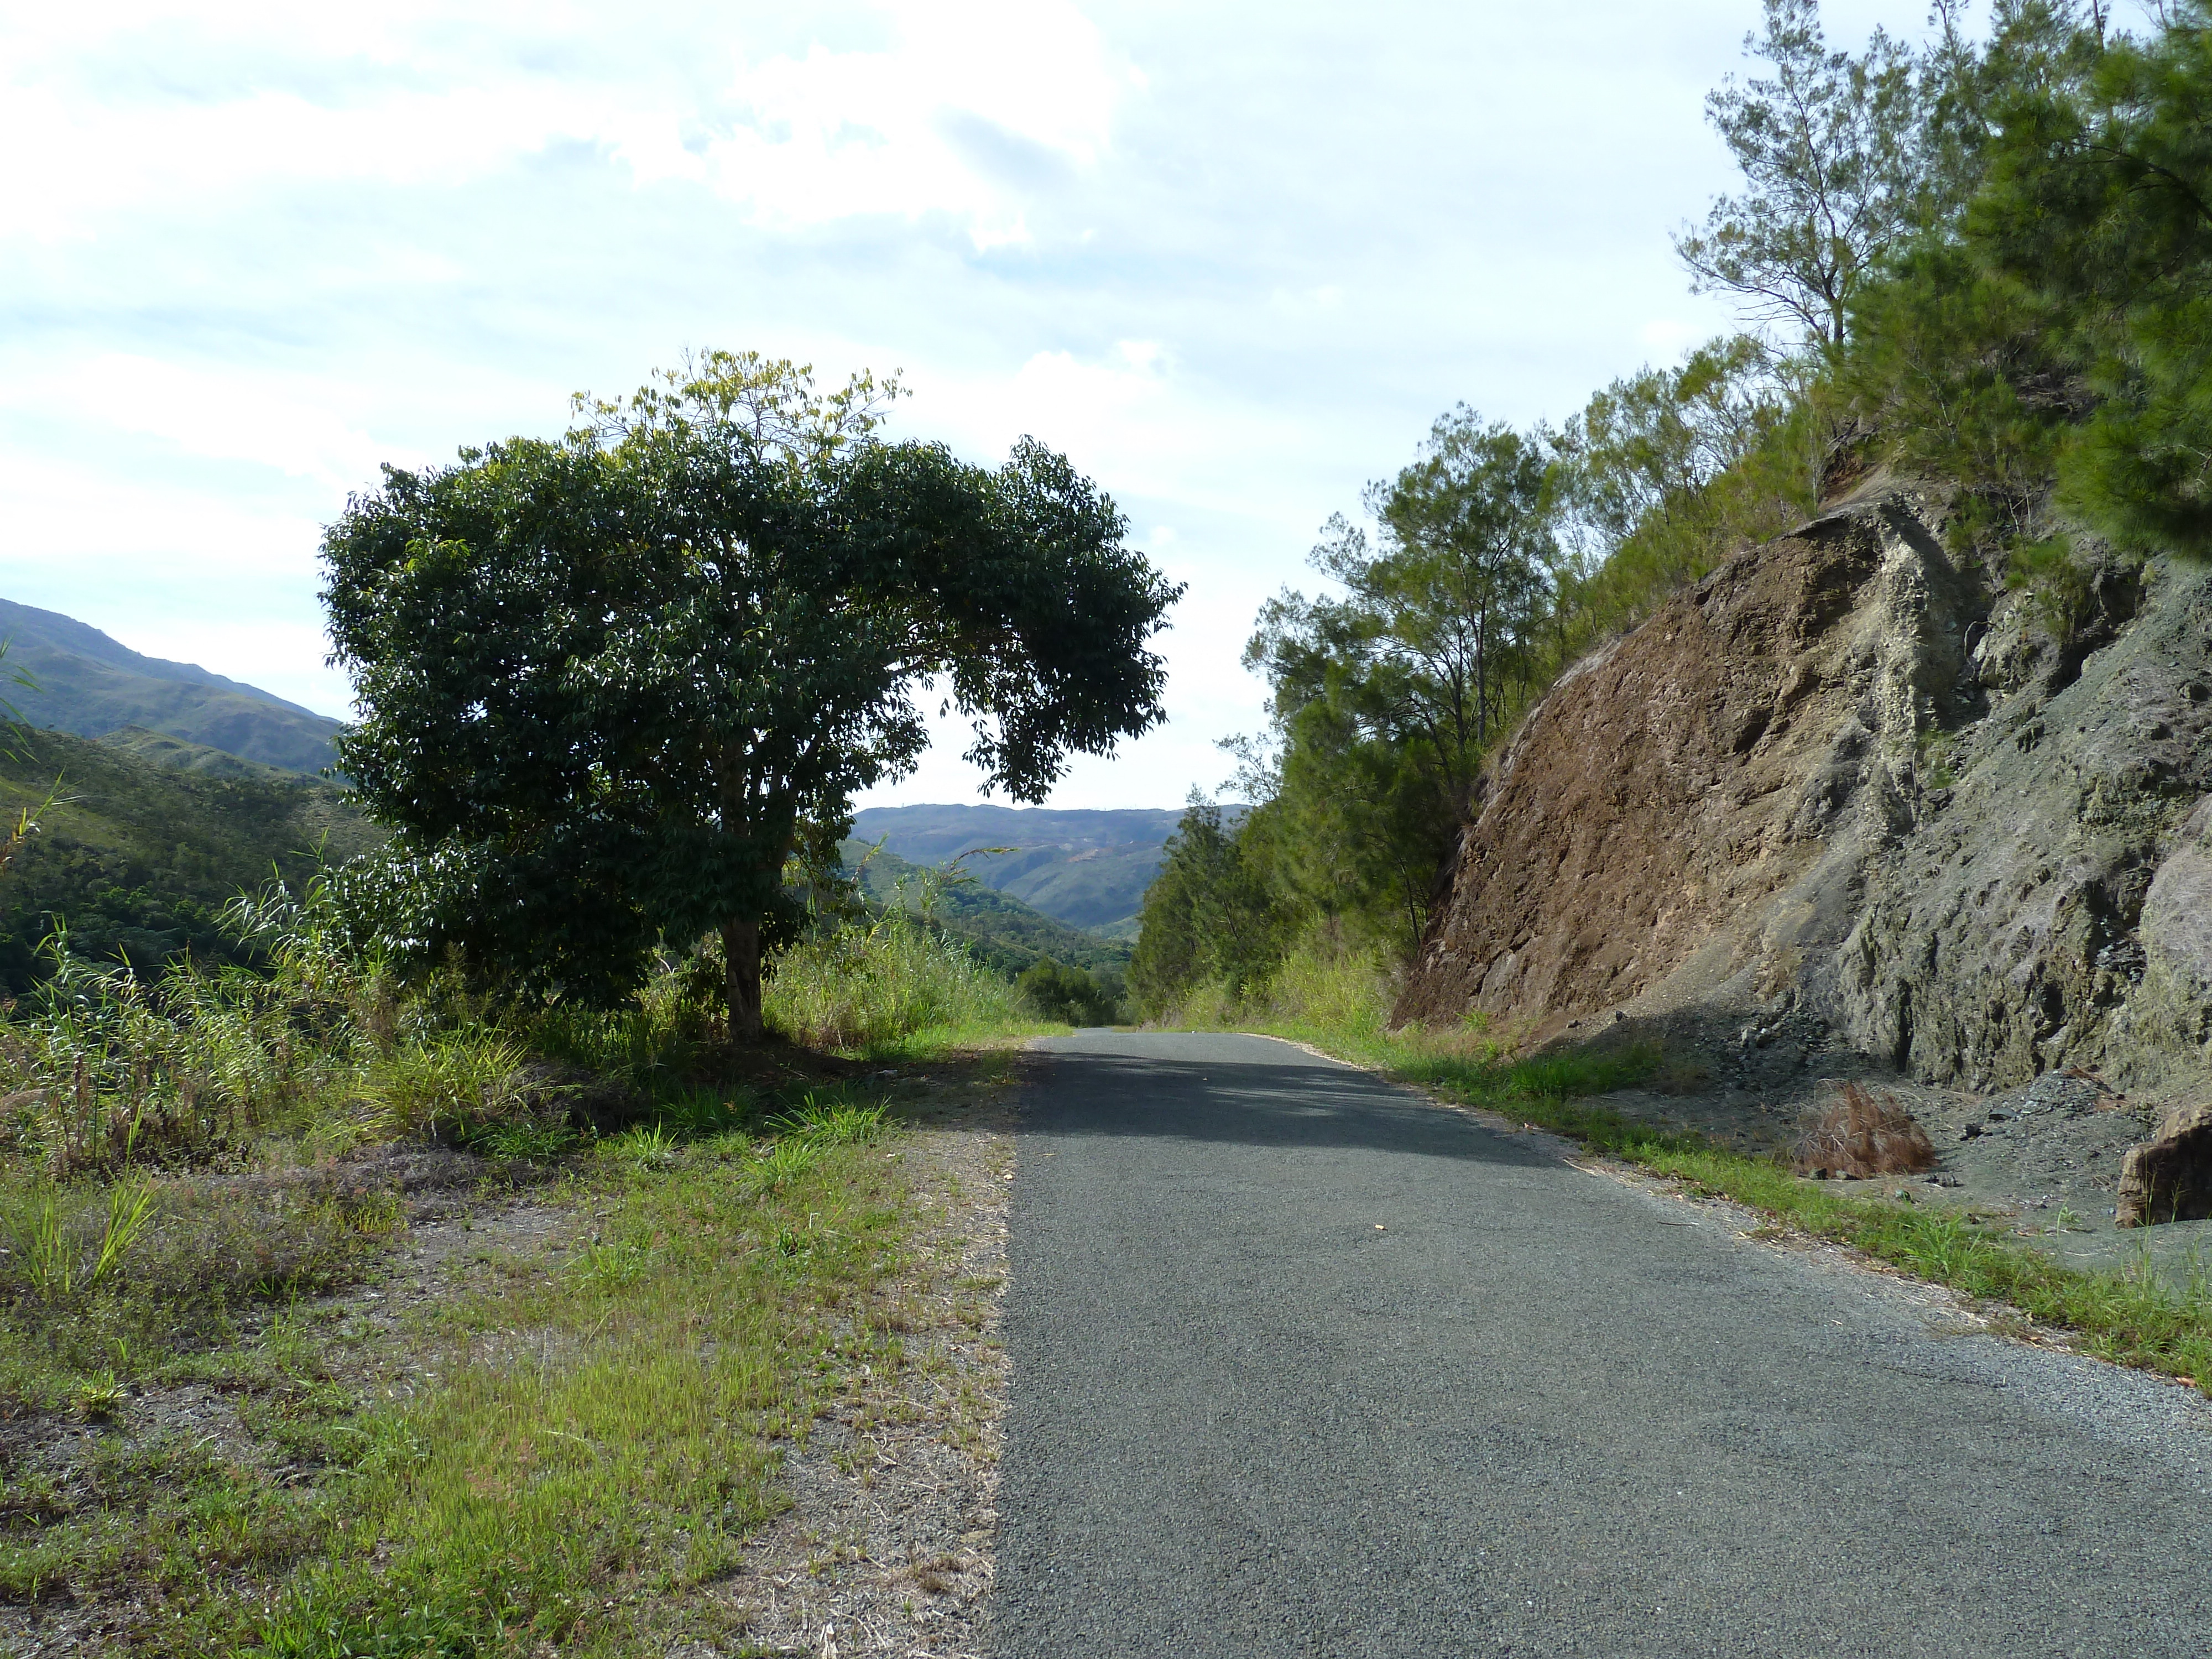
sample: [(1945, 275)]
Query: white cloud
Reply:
[(281, 657), (229, 414), (1669, 338), (97, 161), (91, 520), (976, 104), (251, 247), (973, 107)]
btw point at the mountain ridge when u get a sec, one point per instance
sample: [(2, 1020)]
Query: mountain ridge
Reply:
[(90, 686), (1087, 868)]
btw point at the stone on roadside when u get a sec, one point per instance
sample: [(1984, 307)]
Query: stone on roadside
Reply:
[(2169, 1178)]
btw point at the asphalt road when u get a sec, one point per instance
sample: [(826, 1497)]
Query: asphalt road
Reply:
[(1302, 1364)]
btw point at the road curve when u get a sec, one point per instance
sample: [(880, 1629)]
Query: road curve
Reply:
[(1304, 1365)]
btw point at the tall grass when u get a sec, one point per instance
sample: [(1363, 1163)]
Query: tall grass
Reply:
[(124, 1099), (561, 1451), (169, 1150), (867, 987)]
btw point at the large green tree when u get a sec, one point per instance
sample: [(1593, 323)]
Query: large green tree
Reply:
[(1667, 473), (2096, 204), (1385, 695), (1836, 172), (608, 683)]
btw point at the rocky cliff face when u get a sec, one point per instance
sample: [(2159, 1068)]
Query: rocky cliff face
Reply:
[(1848, 781)]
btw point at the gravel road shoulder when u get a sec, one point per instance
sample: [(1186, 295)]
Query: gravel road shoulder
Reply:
[(888, 1547)]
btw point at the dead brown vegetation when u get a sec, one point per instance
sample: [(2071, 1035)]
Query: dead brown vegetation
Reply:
[(1861, 1135)]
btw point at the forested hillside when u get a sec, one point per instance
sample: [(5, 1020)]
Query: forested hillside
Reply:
[(83, 682), (139, 855), (1001, 931), (1089, 869), (1975, 278)]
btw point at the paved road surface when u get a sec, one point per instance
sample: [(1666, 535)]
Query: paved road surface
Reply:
[(1303, 1365)]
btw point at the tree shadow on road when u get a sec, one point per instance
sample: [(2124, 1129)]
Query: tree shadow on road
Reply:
[(1245, 1090)]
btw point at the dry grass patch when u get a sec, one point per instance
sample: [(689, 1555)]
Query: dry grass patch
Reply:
[(1862, 1135)]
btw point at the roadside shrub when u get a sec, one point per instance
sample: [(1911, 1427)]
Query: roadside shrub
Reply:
[(860, 988), (1318, 983), (460, 1081), (1574, 1072), (1347, 991), (1862, 1135), (262, 1239), (1068, 994), (830, 1118), (647, 1047), (62, 1242)]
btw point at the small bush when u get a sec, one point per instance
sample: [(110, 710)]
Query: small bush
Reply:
[(463, 1081), (1067, 994), (1568, 1075), (784, 1162), (1862, 1135), (826, 1118), (860, 988), (61, 1244), (648, 1146), (1319, 984)]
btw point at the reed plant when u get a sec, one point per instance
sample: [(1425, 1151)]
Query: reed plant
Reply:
[(862, 988)]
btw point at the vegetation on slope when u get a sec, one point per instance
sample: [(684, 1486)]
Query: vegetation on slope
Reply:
[(85, 684), (999, 929), (1987, 264), (137, 856), (1089, 869)]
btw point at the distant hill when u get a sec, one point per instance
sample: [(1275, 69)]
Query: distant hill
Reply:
[(145, 847), (90, 686), (179, 755), (1086, 868), (1003, 931)]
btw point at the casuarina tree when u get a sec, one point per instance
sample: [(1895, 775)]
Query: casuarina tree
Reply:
[(609, 684)]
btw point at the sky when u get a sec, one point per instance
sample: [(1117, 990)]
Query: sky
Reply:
[(1233, 259)]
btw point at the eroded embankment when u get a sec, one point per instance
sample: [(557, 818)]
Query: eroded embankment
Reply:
[(1851, 807)]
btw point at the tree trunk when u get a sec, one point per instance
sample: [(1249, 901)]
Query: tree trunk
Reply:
[(741, 963)]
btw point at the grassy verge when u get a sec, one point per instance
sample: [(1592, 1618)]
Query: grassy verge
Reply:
[(2132, 1317), (560, 1449), (253, 1398)]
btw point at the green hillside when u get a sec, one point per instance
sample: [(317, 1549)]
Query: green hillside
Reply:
[(150, 839), (90, 686), (161, 750), (1003, 931), (1089, 869)]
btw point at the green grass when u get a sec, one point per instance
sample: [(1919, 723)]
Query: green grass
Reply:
[(563, 1454), (867, 990), (1340, 1004), (562, 1449)]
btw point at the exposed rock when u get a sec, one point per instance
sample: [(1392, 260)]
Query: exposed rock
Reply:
[(2169, 1017), (1849, 794), (2169, 1178)]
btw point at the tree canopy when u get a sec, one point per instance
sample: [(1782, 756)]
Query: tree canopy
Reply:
[(609, 684), (1836, 173), (1984, 263)]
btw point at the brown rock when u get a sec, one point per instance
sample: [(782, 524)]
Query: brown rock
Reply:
[(2170, 1178), (1850, 780)]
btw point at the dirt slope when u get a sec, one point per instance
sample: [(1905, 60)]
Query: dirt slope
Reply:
[(1849, 785)]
